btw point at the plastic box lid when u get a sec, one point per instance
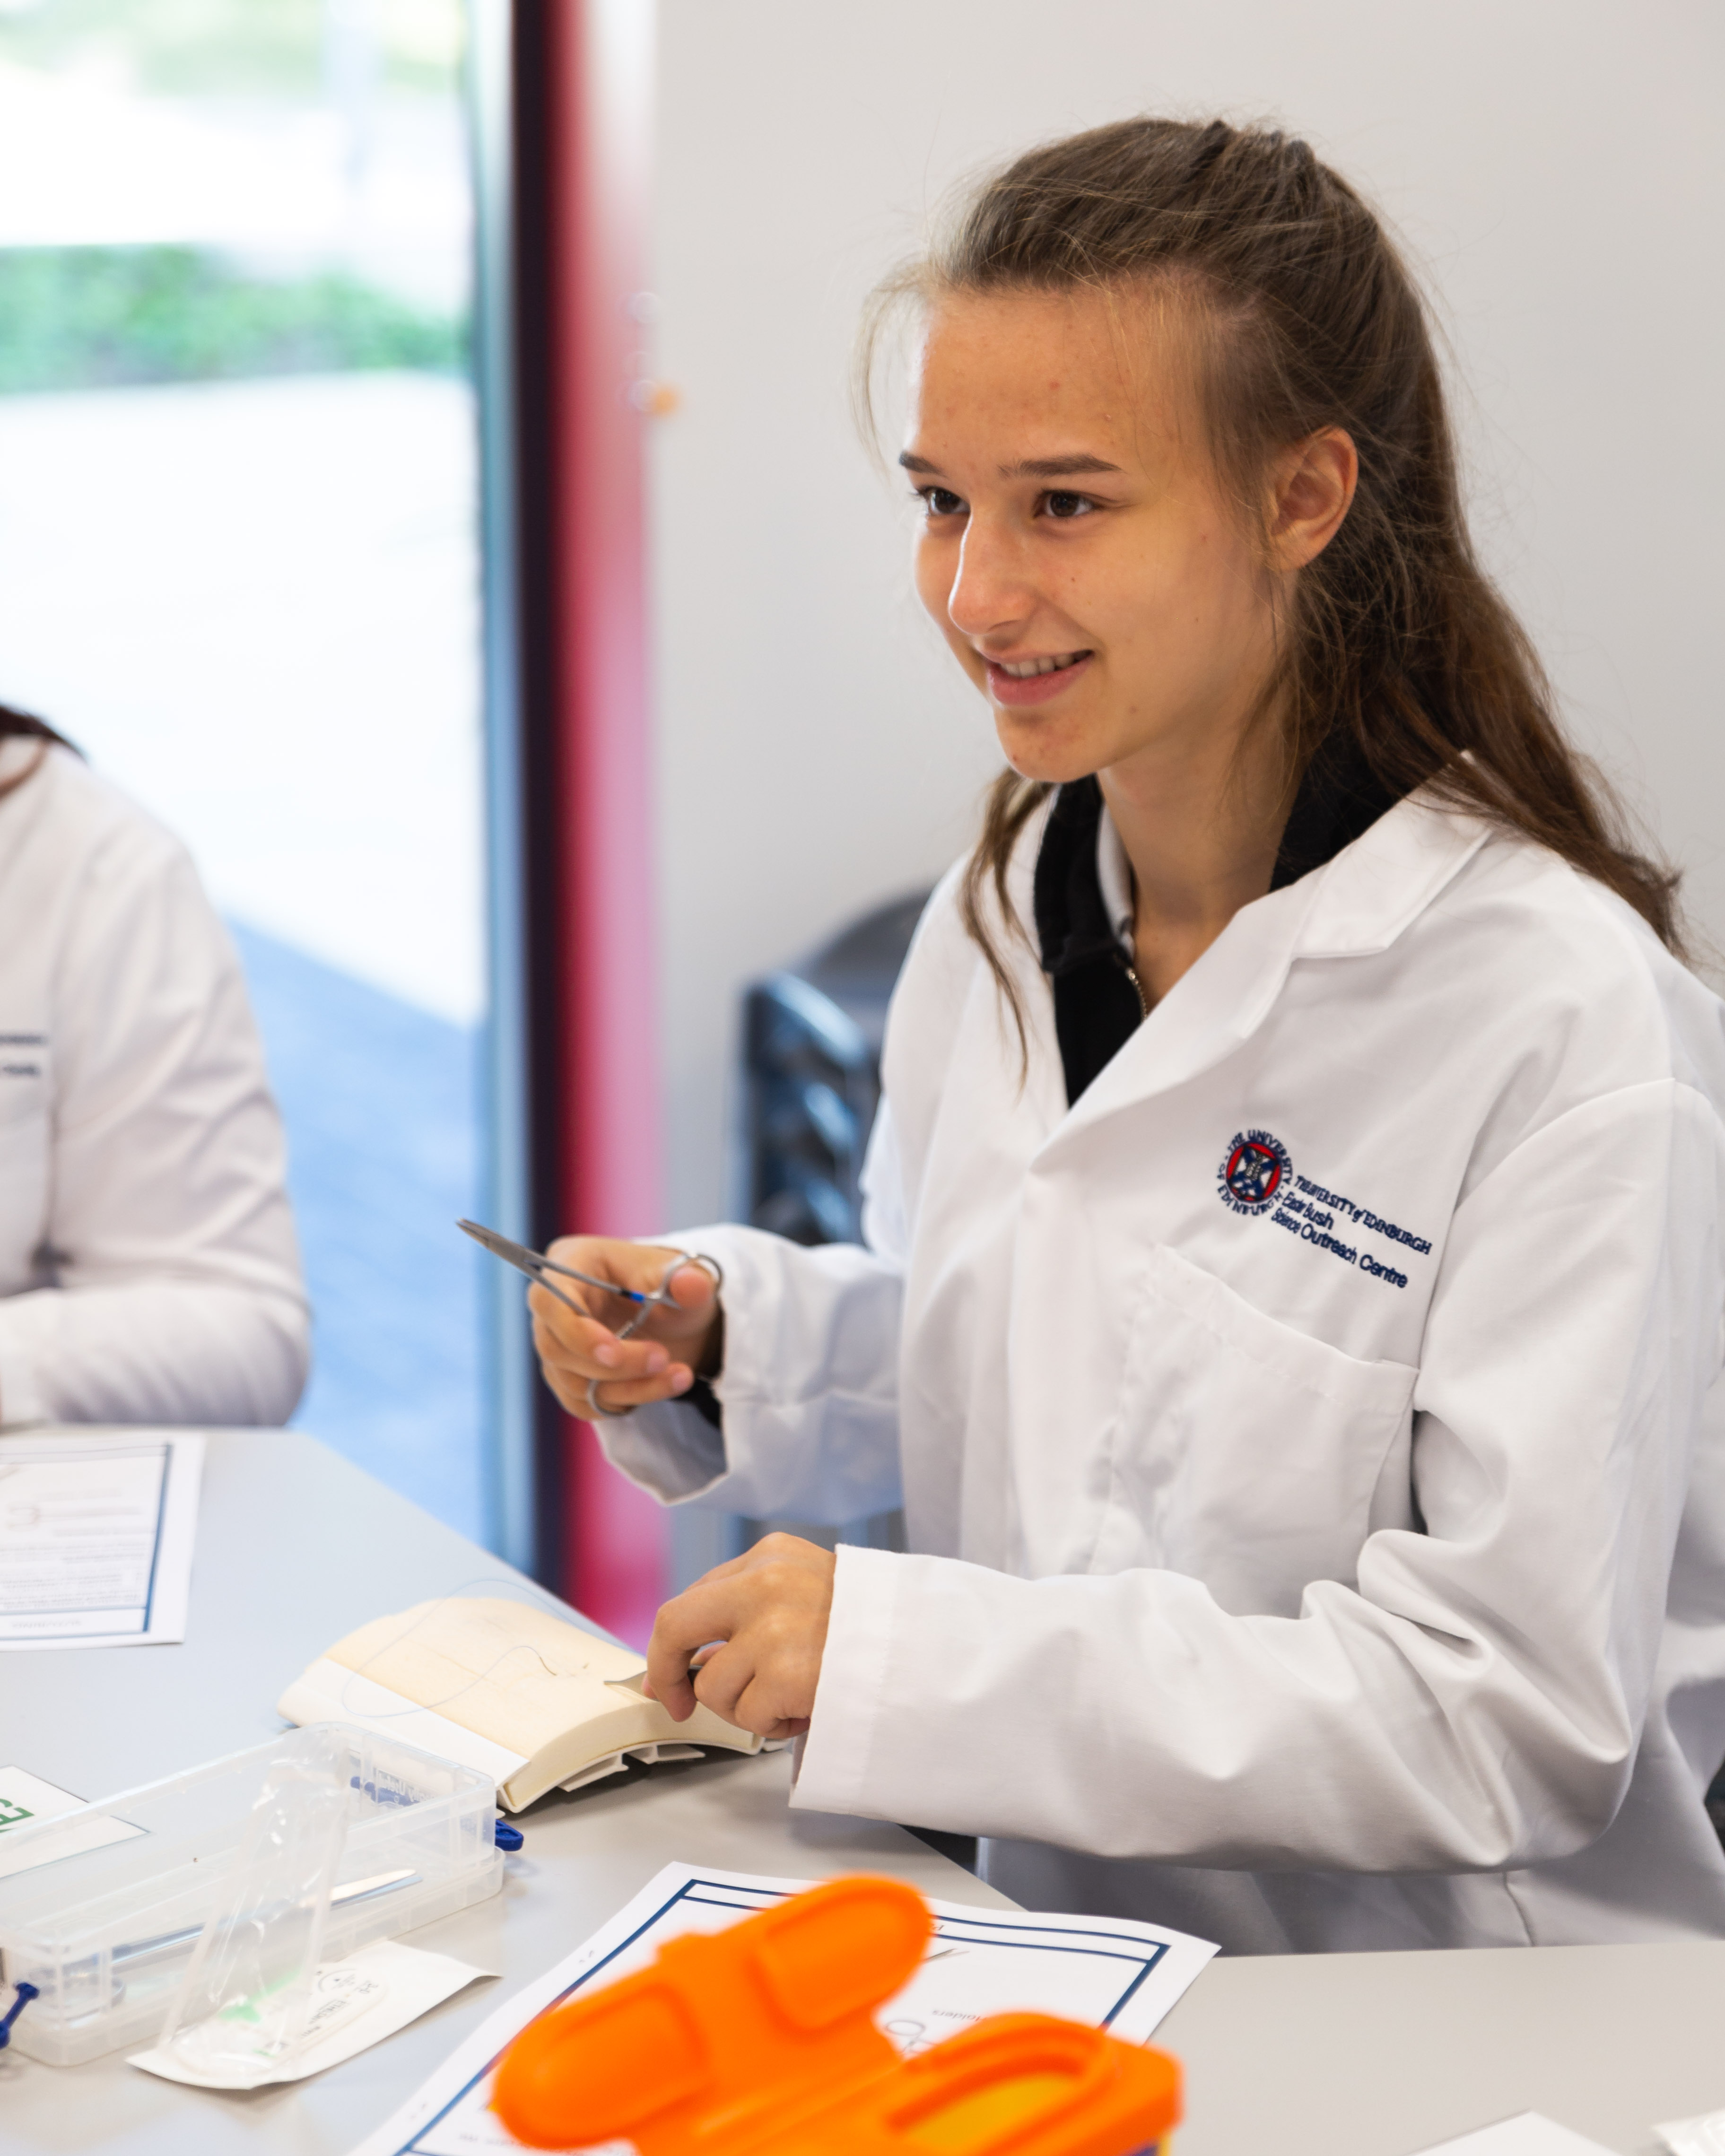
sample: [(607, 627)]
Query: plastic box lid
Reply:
[(104, 1920)]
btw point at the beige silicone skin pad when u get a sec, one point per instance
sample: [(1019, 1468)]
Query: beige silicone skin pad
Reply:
[(524, 1679)]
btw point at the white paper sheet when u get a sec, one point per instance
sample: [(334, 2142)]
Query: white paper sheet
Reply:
[(359, 2001), (1120, 1975), (96, 1536), (1528, 2133), (26, 1797)]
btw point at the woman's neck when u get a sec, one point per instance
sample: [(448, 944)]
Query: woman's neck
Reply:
[(1200, 826)]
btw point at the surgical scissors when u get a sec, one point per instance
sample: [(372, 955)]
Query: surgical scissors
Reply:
[(536, 1265)]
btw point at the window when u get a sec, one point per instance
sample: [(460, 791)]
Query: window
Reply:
[(239, 568)]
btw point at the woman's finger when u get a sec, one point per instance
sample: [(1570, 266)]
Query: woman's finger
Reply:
[(754, 1709), (574, 1390), (582, 1329), (592, 1351), (694, 1289), (616, 1395), (644, 1269), (573, 1331), (631, 1370), (694, 1619), (725, 1675), (622, 1370)]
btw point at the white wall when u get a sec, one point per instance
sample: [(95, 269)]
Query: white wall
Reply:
[(1557, 167)]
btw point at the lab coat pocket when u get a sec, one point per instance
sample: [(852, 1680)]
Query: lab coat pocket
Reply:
[(1244, 1453)]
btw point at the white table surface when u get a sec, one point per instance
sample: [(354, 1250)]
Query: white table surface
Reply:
[(1384, 2054), (295, 1549), (1343, 2055)]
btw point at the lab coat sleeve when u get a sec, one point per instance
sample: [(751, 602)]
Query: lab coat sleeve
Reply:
[(809, 1389), (176, 1295), (1476, 1702)]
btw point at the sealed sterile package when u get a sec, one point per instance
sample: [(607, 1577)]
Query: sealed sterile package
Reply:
[(1695, 2137), (247, 1997), (354, 2004), (223, 1866)]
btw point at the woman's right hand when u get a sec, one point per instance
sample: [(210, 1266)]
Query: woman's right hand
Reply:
[(579, 1348)]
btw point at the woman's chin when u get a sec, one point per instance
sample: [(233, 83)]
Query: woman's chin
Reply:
[(1047, 754)]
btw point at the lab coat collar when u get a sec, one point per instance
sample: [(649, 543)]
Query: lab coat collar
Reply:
[(1377, 887), (1356, 904)]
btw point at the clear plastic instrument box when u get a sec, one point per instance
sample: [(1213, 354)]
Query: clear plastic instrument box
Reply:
[(104, 1919)]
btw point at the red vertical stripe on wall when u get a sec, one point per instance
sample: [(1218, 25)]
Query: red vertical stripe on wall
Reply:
[(600, 106)]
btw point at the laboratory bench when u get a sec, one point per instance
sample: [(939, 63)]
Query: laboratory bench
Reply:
[(1349, 2055)]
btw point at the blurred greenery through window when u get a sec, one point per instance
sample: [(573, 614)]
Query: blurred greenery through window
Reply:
[(94, 317)]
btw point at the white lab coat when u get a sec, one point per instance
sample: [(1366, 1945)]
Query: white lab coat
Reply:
[(1346, 1570), (148, 1271)]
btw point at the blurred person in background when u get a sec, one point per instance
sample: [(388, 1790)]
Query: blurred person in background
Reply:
[(148, 1267)]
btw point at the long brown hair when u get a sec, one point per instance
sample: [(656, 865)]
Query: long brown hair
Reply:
[(1307, 318), (31, 728)]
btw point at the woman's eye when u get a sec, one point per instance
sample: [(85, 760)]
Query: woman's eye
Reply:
[(940, 500), (1066, 506)]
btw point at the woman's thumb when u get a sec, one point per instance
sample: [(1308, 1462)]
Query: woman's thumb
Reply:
[(693, 1287)]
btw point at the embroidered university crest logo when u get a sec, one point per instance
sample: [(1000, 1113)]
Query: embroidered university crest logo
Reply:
[(1254, 1170)]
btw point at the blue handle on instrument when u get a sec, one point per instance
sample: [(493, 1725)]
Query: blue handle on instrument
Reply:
[(26, 1992)]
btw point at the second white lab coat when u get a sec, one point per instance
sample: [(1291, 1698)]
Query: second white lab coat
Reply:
[(1330, 1557), (148, 1269)]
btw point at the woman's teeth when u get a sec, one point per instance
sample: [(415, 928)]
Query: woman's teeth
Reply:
[(1022, 670)]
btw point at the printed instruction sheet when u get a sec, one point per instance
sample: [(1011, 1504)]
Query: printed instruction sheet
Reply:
[(96, 1536), (1117, 1974)]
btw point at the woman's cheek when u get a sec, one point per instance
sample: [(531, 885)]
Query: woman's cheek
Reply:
[(933, 579)]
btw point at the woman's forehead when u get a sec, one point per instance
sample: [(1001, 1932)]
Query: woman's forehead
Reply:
[(1110, 363)]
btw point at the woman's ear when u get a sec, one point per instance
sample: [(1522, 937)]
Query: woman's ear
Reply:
[(1312, 486)]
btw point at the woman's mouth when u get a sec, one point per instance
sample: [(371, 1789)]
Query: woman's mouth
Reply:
[(1033, 680)]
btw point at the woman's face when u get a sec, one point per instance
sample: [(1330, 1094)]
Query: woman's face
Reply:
[(1074, 545)]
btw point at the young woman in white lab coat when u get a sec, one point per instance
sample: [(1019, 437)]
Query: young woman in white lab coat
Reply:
[(1291, 1304), (148, 1270)]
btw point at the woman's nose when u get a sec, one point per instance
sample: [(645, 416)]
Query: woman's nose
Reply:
[(990, 590)]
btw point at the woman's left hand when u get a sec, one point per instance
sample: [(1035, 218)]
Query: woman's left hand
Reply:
[(768, 1609)]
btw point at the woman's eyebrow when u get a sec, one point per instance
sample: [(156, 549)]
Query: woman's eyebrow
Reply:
[(1075, 467), (1056, 468)]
